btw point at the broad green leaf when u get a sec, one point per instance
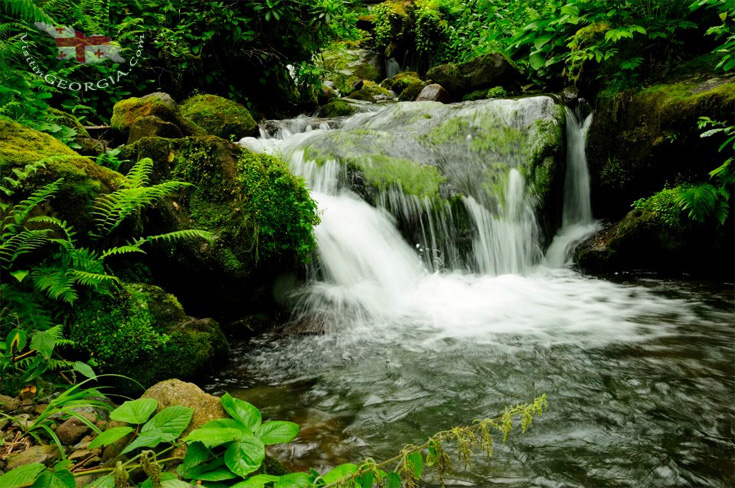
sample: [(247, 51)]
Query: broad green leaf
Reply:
[(85, 369), (277, 432), (226, 424), (541, 40), (196, 453), (537, 61), (393, 481), (148, 439), (135, 411), (245, 456), (294, 480), (219, 474), (170, 420), (19, 275), (55, 479), (341, 471), (44, 342), (242, 411), (570, 10), (22, 476), (110, 436), (416, 461), (257, 481), (16, 341), (168, 480), (215, 437)]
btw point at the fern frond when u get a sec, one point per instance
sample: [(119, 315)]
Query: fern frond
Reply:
[(111, 210), (178, 235), (67, 229), (699, 200), (26, 10), (22, 243), (139, 174), (21, 211), (56, 283), (92, 280), (120, 250)]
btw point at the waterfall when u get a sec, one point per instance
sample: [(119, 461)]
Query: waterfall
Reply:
[(577, 221), (376, 259)]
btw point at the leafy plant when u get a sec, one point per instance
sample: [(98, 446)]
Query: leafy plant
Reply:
[(707, 200), (231, 452)]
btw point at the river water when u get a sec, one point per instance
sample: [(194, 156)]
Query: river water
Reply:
[(638, 371)]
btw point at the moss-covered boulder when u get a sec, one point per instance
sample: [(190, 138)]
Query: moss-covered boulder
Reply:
[(371, 92), (83, 180), (640, 140), (153, 126), (347, 63), (337, 107), (67, 120), (658, 236), (412, 91), (126, 112), (486, 71), (143, 332), (261, 213), (401, 81), (220, 117)]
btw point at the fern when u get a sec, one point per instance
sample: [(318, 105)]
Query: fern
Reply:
[(175, 236), (41, 195), (17, 244), (26, 10), (55, 282), (121, 250), (139, 174)]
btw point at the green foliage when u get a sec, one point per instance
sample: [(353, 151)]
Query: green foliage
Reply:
[(664, 205), (231, 452), (706, 200), (726, 31), (280, 213)]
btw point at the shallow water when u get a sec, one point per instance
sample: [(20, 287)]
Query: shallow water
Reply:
[(638, 375)]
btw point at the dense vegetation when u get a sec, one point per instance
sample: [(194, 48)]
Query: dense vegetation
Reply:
[(93, 236)]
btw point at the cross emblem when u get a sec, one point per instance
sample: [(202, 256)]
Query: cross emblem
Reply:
[(60, 30), (80, 41), (62, 54), (99, 53)]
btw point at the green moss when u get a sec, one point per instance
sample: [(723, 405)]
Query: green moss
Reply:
[(401, 81), (482, 94), (346, 64), (125, 112), (143, 333), (384, 171), (411, 92), (83, 179), (219, 116), (484, 133), (258, 207), (336, 108), (664, 206), (67, 120), (371, 92)]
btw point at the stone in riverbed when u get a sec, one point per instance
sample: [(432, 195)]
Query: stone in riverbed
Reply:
[(484, 71), (36, 454), (434, 93)]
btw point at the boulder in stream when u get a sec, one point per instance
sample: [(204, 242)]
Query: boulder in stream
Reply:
[(485, 71)]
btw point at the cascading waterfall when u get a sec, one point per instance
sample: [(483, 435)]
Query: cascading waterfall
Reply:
[(434, 306), (577, 221)]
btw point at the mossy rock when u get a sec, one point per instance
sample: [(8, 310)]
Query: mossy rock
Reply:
[(220, 117), (126, 112), (143, 333), (412, 91), (495, 92), (153, 126), (83, 179), (401, 81), (347, 64), (646, 240), (337, 108), (486, 71), (67, 120), (262, 215), (371, 92), (642, 139)]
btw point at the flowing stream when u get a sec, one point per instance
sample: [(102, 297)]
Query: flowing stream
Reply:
[(431, 315)]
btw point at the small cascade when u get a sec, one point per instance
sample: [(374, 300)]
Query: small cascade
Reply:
[(577, 221), (392, 67), (507, 240)]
